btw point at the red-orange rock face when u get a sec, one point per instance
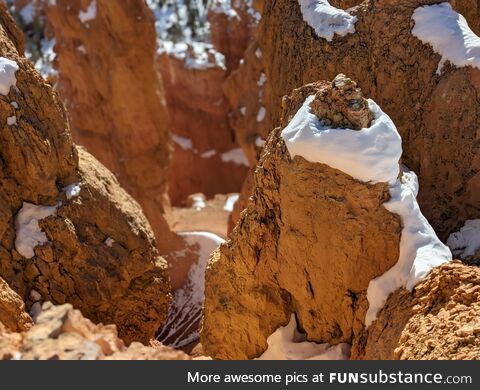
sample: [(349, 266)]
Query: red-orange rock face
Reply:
[(199, 114), (114, 96)]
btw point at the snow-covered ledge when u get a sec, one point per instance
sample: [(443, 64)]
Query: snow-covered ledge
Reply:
[(372, 155), (449, 35), (327, 20)]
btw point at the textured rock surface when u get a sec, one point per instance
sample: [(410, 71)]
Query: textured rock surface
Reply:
[(439, 320), (399, 72), (12, 309), (199, 117), (259, 277), (62, 333), (114, 96), (110, 271)]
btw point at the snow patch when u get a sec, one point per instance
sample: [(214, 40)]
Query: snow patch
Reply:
[(184, 142), (195, 55), (466, 242), (448, 33), (236, 156), (327, 20), (261, 114), (28, 232), (90, 13), (186, 308), (12, 120), (208, 154), (109, 242), (224, 7), (72, 190), (420, 248), (287, 343), (230, 203), (8, 68), (198, 202), (369, 155)]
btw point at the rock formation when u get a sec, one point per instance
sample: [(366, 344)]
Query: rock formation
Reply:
[(67, 229), (114, 96), (438, 321), (432, 110), (348, 235), (62, 333), (193, 75), (12, 310)]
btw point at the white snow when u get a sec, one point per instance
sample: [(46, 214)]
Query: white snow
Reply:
[(466, 242), (14, 105), (28, 233), (208, 154), (90, 13), (327, 20), (184, 142), (369, 155), (243, 110), (259, 142), (372, 155), (236, 156), (449, 35), (26, 13), (224, 7), (195, 55), (109, 242), (262, 80), (258, 53), (12, 120), (44, 64), (287, 343), (261, 114), (8, 68), (72, 190), (420, 248), (198, 201), (230, 203), (186, 308)]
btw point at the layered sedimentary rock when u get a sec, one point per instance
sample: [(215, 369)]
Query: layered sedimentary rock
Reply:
[(259, 277), (432, 107), (62, 333), (439, 320), (114, 96), (67, 229), (193, 75)]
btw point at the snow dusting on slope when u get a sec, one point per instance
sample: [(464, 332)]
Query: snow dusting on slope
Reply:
[(8, 68), (90, 13), (369, 155), (186, 308), (327, 20), (28, 232), (449, 35), (195, 55), (286, 343), (372, 155), (466, 242)]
